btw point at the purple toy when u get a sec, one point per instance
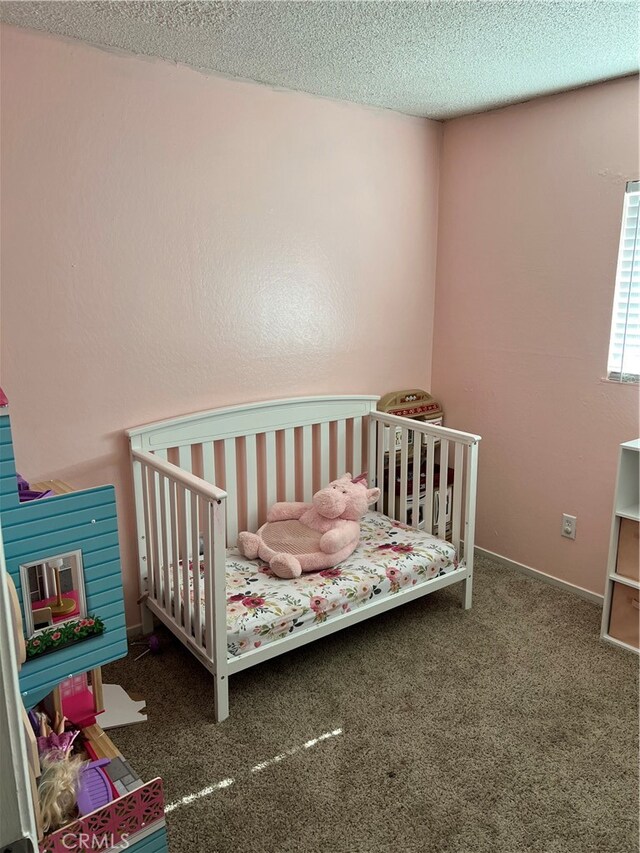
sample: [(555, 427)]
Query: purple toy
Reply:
[(153, 646), (27, 494), (94, 788)]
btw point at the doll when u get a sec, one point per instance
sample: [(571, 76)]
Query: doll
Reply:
[(58, 783)]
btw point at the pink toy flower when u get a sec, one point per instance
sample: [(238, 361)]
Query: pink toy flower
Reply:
[(90, 622), (56, 636), (253, 601), (35, 642), (77, 629)]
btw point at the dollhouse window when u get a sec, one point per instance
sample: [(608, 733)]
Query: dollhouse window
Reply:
[(53, 591)]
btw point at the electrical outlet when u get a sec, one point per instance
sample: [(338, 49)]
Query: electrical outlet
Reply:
[(569, 526)]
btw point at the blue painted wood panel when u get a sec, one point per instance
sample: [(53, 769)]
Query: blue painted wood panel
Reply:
[(37, 530), (8, 482), (154, 843)]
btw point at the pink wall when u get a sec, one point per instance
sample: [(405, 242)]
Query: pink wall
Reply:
[(172, 241), (530, 205)]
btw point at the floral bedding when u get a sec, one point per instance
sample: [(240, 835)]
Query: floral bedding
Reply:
[(262, 608)]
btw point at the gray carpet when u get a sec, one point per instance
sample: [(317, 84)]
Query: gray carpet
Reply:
[(504, 729)]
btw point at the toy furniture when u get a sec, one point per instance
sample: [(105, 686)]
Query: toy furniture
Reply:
[(47, 531), (416, 404), (201, 478)]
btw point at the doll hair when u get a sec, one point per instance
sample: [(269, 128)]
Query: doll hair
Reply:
[(58, 789)]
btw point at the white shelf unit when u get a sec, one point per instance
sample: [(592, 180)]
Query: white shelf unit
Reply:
[(625, 587)]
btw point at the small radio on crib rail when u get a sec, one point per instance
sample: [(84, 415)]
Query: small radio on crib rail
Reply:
[(413, 403)]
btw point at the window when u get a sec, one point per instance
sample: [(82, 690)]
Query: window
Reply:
[(624, 345)]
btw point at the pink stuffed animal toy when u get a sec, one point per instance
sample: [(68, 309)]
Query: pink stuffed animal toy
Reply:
[(300, 537)]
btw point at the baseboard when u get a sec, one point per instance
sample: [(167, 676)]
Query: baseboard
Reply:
[(134, 631), (541, 576)]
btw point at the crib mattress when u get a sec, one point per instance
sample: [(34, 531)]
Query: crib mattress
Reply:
[(262, 608)]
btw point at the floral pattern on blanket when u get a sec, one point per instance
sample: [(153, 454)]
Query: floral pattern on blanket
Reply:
[(391, 557)]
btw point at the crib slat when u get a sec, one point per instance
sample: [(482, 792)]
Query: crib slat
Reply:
[(184, 457), (166, 540), (404, 464), (341, 448), (164, 499), (208, 463), (442, 492), (270, 467), (148, 538), (195, 572), (428, 498), (251, 485), (393, 464), (231, 487), (416, 470), (357, 448), (289, 465), (157, 548), (324, 453), (207, 563), (183, 528), (380, 434), (175, 553), (184, 460), (157, 535), (307, 463), (458, 473)]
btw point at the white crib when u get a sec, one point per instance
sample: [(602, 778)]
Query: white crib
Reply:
[(200, 478)]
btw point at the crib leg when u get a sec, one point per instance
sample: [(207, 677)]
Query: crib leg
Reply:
[(467, 591), (147, 619), (221, 697)]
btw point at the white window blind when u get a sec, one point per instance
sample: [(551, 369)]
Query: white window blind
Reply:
[(624, 346)]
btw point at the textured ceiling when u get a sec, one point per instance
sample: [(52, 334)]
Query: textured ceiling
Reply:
[(437, 59)]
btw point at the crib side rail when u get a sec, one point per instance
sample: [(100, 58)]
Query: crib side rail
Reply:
[(181, 545), (424, 427), (427, 475), (179, 475)]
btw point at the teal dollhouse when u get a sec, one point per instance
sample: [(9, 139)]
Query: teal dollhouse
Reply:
[(35, 534)]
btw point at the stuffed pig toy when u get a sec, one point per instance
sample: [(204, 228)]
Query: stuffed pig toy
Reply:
[(301, 537)]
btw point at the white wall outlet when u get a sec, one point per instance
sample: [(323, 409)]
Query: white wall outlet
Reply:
[(569, 526)]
